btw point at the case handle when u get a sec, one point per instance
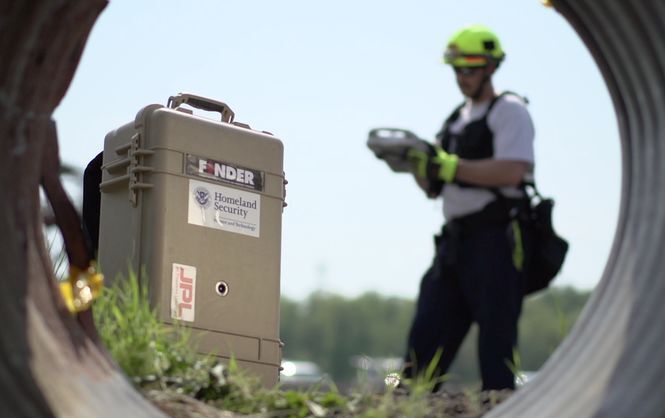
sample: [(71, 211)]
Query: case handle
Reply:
[(202, 103)]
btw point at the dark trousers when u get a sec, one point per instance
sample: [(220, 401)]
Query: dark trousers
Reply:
[(472, 279)]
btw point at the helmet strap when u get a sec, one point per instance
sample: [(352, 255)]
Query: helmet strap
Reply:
[(486, 79), (479, 91)]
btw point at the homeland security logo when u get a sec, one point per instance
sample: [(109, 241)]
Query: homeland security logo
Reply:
[(202, 197)]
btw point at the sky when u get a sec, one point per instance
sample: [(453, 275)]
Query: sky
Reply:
[(319, 75)]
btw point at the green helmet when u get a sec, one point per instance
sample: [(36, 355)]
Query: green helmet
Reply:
[(473, 46)]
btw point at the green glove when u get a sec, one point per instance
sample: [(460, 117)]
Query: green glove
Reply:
[(434, 165)]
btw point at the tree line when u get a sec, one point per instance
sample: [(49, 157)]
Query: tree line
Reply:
[(330, 329)]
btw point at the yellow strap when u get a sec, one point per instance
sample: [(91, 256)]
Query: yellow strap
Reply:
[(518, 251)]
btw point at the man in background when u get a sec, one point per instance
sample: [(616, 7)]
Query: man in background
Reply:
[(482, 155)]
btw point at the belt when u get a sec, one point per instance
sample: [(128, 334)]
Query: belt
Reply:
[(496, 212)]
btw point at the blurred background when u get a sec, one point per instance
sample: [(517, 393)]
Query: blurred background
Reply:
[(320, 75), (357, 342)]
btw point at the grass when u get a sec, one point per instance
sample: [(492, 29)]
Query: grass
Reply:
[(146, 349), (158, 357)]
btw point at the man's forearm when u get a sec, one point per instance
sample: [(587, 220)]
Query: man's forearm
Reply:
[(490, 172)]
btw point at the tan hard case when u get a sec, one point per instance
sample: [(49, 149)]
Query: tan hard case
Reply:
[(151, 192)]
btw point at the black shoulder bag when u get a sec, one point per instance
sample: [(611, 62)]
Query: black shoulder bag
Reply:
[(544, 250)]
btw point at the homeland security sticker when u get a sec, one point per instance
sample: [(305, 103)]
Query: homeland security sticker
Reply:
[(224, 208)]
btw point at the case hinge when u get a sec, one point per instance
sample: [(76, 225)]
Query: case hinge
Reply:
[(136, 168)]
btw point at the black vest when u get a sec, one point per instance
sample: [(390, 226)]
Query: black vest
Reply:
[(474, 142)]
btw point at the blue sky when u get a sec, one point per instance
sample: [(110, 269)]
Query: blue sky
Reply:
[(320, 75)]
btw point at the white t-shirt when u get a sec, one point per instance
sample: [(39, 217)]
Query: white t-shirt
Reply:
[(513, 130)]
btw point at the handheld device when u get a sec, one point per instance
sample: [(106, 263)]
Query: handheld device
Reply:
[(393, 144)]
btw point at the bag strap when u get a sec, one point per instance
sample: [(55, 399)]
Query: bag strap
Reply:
[(524, 186)]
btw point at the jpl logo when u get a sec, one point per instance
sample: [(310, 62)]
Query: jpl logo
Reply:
[(183, 292)]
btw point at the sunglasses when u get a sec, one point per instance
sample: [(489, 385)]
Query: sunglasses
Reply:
[(467, 70)]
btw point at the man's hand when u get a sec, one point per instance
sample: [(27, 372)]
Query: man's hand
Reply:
[(434, 165)]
